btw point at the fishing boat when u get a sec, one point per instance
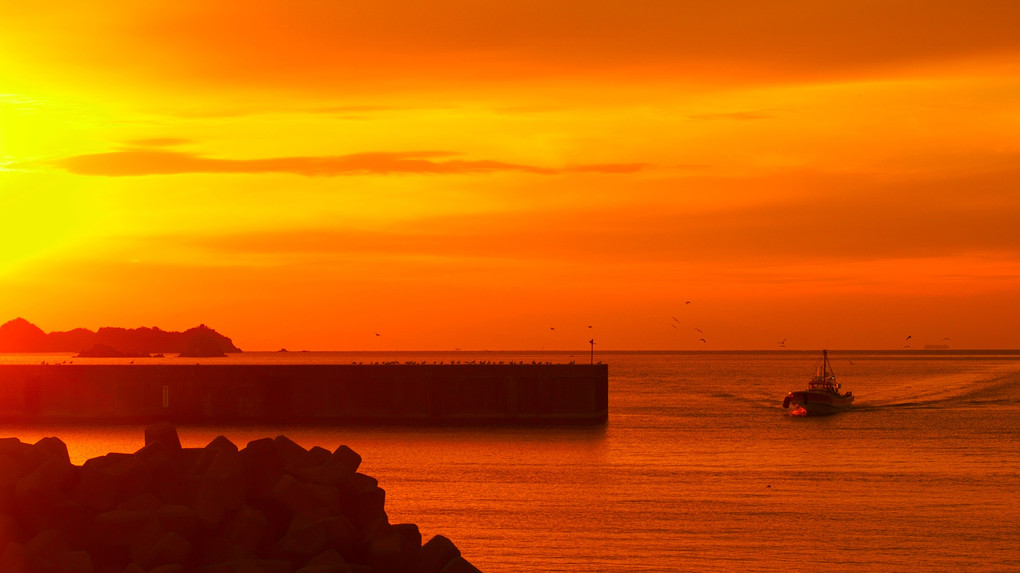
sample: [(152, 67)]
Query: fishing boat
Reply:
[(822, 395)]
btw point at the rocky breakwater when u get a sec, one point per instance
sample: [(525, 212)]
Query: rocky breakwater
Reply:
[(271, 507)]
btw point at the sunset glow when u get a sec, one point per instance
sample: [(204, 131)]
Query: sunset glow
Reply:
[(471, 175)]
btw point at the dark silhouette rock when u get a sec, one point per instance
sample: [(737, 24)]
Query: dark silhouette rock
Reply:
[(437, 553), (273, 506), (19, 335), (204, 344), (164, 433), (104, 351)]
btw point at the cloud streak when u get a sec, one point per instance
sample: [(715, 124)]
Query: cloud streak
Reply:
[(886, 220), (138, 162)]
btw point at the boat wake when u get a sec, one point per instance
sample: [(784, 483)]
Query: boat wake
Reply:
[(946, 393)]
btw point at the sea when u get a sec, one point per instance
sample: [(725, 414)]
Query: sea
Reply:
[(699, 467)]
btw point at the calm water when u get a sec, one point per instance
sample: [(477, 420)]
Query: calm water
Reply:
[(700, 468)]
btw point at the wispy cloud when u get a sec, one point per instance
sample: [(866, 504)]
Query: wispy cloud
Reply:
[(800, 229), (735, 115), (158, 142), (135, 162)]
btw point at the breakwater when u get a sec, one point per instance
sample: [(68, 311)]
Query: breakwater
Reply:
[(307, 393), (272, 506)]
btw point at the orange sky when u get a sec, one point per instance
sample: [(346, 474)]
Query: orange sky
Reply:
[(462, 174)]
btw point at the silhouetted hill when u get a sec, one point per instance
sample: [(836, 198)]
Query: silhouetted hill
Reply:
[(19, 335), (203, 344), (104, 351)]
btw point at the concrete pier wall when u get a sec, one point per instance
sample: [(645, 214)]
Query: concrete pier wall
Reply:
[(308, 394)]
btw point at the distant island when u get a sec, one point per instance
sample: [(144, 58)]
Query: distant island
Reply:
[(20, 335)]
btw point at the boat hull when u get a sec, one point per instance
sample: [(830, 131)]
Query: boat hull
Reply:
[(817, 403)]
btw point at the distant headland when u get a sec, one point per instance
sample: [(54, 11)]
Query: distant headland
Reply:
[(20, 335)]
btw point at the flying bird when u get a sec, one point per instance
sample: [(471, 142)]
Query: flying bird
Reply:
[(552, 328), (703, 340), (377, 334), (699, 331), (687, 302), (676, 319), (907, 338)]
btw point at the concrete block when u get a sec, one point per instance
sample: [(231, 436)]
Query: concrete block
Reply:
[(459, 565), (247, 528), (359, 482), (377, 529), (13, 447), (15, 464), (306, 537), (206, 455), (262, 468), (146, 502), (52, 475), (221, 443), (37, 495), (166, 473), (308, 466), (366, 507), (248, 565), (165, 433), (76, 562), (51, 448), (180, 519), (298, 496), (437, 553), (228, 464), (95, 489), (334, 471), (171, 568), (49, 551), (383, 553), (130, 475), (73, 520), (290, 452), (119, 527), (10, 530), (170, 548), (13, 558), (316, 456), (214, 497), (346, 458), (101, 462), (46, 550), (342, 535), (328, 561)]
